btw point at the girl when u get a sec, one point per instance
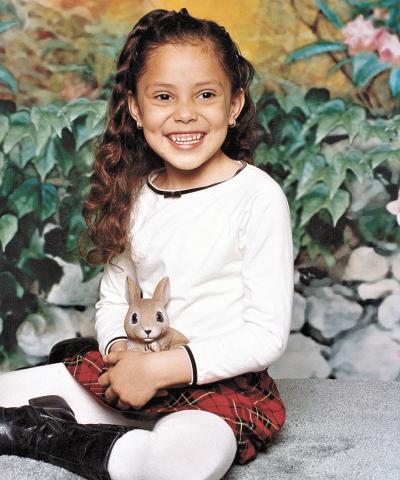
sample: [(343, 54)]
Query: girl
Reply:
[(173, 192)]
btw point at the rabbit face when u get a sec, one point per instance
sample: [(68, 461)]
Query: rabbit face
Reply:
[(147, 319)]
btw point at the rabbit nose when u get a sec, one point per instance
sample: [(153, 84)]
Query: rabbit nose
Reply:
[(148, 332)]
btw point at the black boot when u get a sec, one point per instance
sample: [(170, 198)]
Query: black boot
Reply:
[(37, 433), (53, 405)]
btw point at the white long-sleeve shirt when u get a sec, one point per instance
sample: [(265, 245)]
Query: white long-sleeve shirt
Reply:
[(227, 250)]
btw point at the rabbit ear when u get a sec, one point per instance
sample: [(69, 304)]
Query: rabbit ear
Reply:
[(162, 291), (134, 293)]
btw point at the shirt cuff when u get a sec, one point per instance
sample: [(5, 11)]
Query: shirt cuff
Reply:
[(189, 353), (111, 343)]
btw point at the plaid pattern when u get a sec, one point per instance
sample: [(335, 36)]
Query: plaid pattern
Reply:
[(249, 403)]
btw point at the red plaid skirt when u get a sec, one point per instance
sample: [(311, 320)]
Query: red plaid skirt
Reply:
[(249, 403)]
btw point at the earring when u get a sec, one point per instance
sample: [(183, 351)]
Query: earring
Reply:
[(139, 125), (233, 125)]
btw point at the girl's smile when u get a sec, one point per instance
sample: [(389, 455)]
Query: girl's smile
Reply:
[(184, 105), (186, 140)]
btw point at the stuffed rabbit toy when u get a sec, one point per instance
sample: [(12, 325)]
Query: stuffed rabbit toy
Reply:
[(146, 322)]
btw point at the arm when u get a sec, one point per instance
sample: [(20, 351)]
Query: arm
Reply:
[(265, 240), (112, 306)]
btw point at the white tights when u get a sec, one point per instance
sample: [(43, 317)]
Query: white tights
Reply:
[(187, 444)]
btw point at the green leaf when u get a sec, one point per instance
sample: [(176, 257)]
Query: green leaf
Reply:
[(265, 115), (56, 44), (352, 120), (7, 25), (15, 134), (293, 98), (7, 79), (65, 159), (329, 116), (330, 14), (21, 117), (57, 68), (315, 48), (384, 153), (2, 166), (46, 160), (378, 128), (32, 196), (394, 81), (35, 249), (366, 66), (318, 199), (353, 160), (82, 107), (45, 120), (26, 198), (312, 171), (339, 65), (8, 228), (27, 151), (4, 124), (334, 179), (90, 129), (49, 200)]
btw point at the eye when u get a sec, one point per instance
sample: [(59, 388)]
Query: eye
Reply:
[(207, 94), (159, 317), (134, 318), (163, 96)]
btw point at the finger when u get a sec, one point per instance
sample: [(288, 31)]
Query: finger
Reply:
[(104, 379), (111, 395), (113, 357), (123, 405)]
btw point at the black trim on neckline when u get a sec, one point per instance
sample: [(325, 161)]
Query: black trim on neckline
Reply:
[(179, 193)]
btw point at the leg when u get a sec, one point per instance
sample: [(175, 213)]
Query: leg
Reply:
[(19, 386), (187, 444)]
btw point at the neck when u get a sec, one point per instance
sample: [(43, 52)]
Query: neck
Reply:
[(207, 173)]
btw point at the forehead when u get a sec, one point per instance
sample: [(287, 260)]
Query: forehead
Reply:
[(182, 64)]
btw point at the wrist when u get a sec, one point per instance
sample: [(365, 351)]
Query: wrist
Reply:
[(171, 368)]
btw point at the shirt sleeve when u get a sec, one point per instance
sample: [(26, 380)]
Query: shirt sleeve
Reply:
[(113, 304), (265, 240)]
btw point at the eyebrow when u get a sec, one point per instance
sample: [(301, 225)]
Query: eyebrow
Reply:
[(170, 85)]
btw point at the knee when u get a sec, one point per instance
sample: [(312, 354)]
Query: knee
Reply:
[(194, 444)]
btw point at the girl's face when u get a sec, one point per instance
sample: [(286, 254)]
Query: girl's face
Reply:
[(184, 104)]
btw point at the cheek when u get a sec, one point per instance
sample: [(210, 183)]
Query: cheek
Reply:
[(154, 117)]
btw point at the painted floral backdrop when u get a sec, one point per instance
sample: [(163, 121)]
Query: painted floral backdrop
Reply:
[(327, 93)]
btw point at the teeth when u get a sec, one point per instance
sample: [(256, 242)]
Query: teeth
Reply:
[(186, 139)]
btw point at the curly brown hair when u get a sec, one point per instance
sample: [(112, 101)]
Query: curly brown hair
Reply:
[(123, 158)]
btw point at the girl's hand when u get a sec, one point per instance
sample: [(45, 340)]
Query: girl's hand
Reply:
[(131, 378)]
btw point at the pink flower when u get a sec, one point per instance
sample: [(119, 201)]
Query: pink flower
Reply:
[(360, 35), (388, 46), (394, 207)]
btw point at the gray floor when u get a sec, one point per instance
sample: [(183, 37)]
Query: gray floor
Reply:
[(335, 429)]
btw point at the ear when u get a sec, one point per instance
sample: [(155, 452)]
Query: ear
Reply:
[(237, 104), (133, 107), (162, 291), (133, 291)]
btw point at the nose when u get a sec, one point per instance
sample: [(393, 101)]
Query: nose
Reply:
[(148, 332), (185, 111)]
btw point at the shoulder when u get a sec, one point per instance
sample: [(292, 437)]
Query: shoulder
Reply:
[(260, 187)]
